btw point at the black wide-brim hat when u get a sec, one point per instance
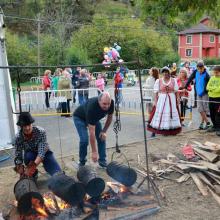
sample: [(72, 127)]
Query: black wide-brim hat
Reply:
[(25, 118), (165, 69)]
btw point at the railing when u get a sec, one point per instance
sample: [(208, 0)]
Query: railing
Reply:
[(131, 99), (35, 100), (37, 79)]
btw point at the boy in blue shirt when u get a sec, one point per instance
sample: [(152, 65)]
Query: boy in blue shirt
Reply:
[(201, 77)]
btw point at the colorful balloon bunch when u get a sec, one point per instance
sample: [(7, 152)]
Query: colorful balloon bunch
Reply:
[(111, 54)]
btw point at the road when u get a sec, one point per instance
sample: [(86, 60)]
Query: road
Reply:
[(63, 138)]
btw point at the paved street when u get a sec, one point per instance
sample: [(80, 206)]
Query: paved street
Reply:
[(62, 134)]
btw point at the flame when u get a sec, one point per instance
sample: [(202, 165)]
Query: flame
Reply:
[(117, 187), (38, 207), (51, 202)]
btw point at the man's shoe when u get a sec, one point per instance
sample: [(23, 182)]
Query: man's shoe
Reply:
[(211, 129), (103, 165), (208, 125), (201, 126)]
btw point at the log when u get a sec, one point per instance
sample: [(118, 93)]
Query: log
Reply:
[(217, 189), (218, 164), (212, 145), (202, 188), (205, 147), (210, 166), (183, 178), (215, 196), (213, 176), (204, 179), (139, 214), (185, 166), (177, 170), (211, 157)]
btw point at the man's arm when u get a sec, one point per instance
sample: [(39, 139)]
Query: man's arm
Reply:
[(18, 152), (192, 76), (92, 140), (107, 123), (42, 148), (102, 134)]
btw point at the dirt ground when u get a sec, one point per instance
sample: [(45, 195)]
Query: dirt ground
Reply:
[(183, 201)]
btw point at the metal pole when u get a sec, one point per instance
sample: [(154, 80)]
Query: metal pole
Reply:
[(144, 126), (38, 44)]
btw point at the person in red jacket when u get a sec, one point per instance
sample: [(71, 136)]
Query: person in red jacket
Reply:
[(46, 86), (183, 93)]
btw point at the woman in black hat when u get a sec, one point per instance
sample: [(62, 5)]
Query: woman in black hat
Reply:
[(31, 148), (165, 118)]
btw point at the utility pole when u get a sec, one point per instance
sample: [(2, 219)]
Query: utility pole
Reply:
[(7, 118), (38, 44)]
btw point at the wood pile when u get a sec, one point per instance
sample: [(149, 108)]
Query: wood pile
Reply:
[(204, 170)]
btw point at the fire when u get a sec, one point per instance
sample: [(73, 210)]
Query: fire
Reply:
[(39, 207), (53, 202), (117, 187)]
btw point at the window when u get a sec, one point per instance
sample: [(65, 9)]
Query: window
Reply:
[(212, 38), (189, 39), (188, 52)]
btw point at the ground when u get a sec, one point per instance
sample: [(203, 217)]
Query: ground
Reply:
[(183, 201)]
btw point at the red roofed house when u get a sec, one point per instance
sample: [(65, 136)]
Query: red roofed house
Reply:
[(199, 42)]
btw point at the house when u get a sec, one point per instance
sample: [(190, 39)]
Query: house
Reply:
[(199, 42)]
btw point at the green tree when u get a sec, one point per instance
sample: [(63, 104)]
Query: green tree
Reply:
[(169, 13), (20, 51), (130, 34)]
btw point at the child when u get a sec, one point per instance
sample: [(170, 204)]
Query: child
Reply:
[(118, 80), (201, 80), (183, 93), (100, 83), (213, 88)]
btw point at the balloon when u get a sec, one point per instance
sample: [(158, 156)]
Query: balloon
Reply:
[(105, 62), (109, 54), (115, 53), (106, 57), (106, 49), (118, 48)]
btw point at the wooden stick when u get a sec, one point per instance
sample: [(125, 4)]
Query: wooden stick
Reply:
[(204, 179), (213, 176), (212, 145), (210, 166), (202, 188), (183, 178), (215, 196), (211, 157)]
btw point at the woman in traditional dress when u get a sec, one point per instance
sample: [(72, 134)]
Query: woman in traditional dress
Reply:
[(165, 118)]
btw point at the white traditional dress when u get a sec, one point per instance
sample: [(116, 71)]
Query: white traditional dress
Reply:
[(165, 118)]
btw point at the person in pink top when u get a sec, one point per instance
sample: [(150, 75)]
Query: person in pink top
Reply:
[(46, 86), (183, 93), (100, 83)]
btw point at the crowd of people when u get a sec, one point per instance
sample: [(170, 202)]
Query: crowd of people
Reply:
[(66, 80), (170, 94)]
